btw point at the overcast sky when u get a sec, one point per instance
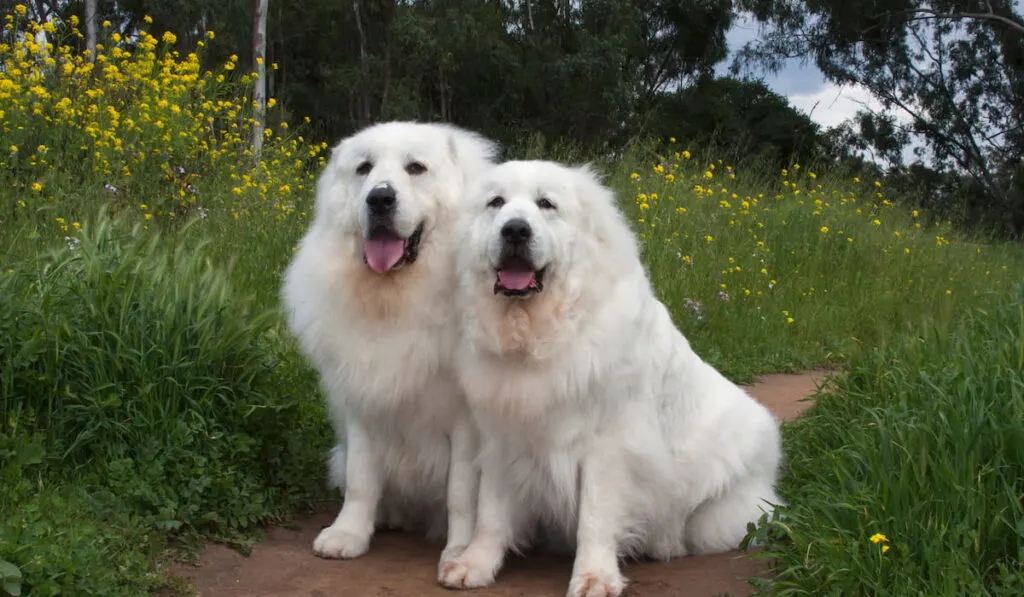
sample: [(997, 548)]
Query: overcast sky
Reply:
[(803, 84), (806, 88)]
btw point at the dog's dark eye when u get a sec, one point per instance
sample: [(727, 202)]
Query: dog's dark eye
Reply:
[(545, 203), (364, 168), (415, 168), (496, 202)]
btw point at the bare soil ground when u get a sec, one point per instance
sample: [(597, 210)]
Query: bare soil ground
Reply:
[(283, 565)]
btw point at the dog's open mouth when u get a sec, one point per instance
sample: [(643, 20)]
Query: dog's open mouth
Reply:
[(385, 251), (518, 277)]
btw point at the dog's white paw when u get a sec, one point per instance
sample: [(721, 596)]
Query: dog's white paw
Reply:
[(464, 573), (449, 554), (337, 543), (596, 584)]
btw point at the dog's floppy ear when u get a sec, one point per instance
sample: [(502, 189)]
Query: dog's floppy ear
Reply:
[(587, 170), (329, 178), (607, 222), (337, 149), (470, 151)]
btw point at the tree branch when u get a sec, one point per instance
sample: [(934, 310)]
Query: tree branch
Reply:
[(975, 16)]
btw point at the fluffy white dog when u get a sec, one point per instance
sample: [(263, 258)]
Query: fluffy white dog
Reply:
[(368, 295), (596, 416)]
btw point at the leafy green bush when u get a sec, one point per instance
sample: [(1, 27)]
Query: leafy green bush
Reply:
[(156, 385)]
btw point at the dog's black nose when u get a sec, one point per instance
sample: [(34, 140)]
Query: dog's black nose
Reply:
[(516, 231), (381, 199)]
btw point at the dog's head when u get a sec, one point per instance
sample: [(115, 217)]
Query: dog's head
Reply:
[(387, 187), (534, 226)]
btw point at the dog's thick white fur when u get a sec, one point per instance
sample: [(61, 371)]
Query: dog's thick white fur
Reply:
[(596, 416), (368, 295)]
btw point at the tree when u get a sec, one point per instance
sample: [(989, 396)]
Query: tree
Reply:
[(745, 120), (90, 27), (952, 69), (259, 84)]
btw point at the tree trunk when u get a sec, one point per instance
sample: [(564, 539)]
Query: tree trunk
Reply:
[(259, 84), (90, 28), (365, 94)]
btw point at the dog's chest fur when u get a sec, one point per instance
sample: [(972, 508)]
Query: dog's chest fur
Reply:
[(518, 366), (380, 343)]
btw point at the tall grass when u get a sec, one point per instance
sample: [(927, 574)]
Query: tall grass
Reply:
[(791, 269), (140, 372), (907, 477)]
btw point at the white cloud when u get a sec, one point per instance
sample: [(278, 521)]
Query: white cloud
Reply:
[(832, 105), (805, 87)]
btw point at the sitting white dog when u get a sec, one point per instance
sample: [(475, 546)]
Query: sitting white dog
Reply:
[(597, 417), (369, 295)]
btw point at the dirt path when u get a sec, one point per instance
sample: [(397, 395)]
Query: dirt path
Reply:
[(400, 565)]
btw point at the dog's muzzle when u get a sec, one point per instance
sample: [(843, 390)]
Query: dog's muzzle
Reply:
[(517, 276), (385, 249)]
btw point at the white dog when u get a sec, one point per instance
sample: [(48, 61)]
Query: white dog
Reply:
[(368, 295), (595, 414)]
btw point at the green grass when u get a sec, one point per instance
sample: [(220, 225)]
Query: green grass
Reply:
[(798, 270), (921, 441), (144, 394), (150, 395)]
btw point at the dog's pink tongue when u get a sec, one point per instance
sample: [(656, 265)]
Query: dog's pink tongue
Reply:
[(383, 253), (515, 279)]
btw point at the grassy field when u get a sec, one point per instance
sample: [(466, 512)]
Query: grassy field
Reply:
[(149, 394)]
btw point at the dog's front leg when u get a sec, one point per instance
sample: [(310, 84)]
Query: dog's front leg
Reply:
[(463, 488), (349, 535), (595, 572), (495, 530)]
